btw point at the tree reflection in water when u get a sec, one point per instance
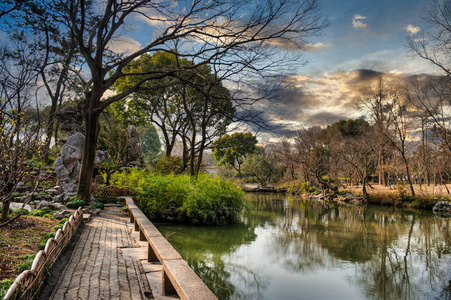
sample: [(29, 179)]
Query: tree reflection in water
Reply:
[(383, 253)]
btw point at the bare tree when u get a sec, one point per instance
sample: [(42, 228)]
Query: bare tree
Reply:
[(377, 98), (20, 129), (434, 44)]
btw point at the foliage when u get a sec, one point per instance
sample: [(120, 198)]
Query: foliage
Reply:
[(196, 108), (26, 265), (124, 209), (37, 213), (98, 205), (75, 203), (4, 286), (298, 187), (102, 200), (169, 164), (263, 168), (213, 201), (232, 150), (44, 241), (205, 200), (149, 142), (17, 211)]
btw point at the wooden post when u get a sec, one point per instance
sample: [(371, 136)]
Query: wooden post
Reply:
[(168, 288), (151, 256)]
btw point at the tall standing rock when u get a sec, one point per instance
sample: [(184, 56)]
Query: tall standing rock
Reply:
[(132, 144), (67, 165)]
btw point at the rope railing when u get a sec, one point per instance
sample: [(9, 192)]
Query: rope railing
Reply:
[(28, 284)]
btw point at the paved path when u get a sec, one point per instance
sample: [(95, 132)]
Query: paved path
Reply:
[(97, 268)]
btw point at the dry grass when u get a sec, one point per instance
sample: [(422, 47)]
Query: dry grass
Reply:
[(19, 238), (431, 191)]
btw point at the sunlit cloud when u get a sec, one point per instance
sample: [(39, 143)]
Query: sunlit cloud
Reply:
[(124, 45), (412, 29), (356, 23)]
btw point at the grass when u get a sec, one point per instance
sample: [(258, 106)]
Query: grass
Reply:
[(4, 286), (19, 238)]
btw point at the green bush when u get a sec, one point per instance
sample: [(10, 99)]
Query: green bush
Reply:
[(46, 209), (75, 203), (207, 200), (124, 209), (15, 195), (37, 213), (4, 286), (98, 205), (102, 200), (26, 264), (213, 201), (16, 211)]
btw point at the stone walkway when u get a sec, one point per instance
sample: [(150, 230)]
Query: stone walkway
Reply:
[(97, 268)]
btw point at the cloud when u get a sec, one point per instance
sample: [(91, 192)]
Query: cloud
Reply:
[(412, 29), (124, 45), (356, 23), (315, 47)]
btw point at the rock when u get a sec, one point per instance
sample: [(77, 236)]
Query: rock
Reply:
[(101, 156), (52, 192), (16, 205), (51, 205), (62, 214), (99, 180), (60, 206), (59, 189), (22, 188), (67, 165), (59, 198), (132, 144), (91, 210), (70, 119), (134, 164), (442, 206)]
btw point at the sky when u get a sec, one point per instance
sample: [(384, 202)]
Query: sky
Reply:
[(365, 39)]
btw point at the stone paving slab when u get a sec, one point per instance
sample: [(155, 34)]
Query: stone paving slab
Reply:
[(97, 269)]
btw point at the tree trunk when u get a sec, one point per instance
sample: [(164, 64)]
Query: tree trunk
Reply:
[(89, 150), (5, 210), (409, 179)]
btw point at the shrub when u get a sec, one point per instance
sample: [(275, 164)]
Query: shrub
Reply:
[(46, 209), (213, 201), (16, 194), (124, 209), (15, 212), (4, 286), (102, 200), (75, 203), (207, 200), (37, 213), (26, 264), (98, 205)]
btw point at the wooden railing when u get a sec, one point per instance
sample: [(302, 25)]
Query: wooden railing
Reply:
[(178, 277), (29, 282), (110, 192)]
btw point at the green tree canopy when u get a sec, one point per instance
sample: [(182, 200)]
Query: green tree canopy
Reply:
[(232, 150)]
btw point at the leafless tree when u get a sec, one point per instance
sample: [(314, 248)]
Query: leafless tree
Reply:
[(20, 127)]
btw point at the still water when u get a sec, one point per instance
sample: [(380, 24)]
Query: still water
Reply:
[(289, 248)]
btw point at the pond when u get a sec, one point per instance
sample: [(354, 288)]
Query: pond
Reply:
[(287, 247)]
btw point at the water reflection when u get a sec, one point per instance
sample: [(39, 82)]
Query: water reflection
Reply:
[(290, 248)]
